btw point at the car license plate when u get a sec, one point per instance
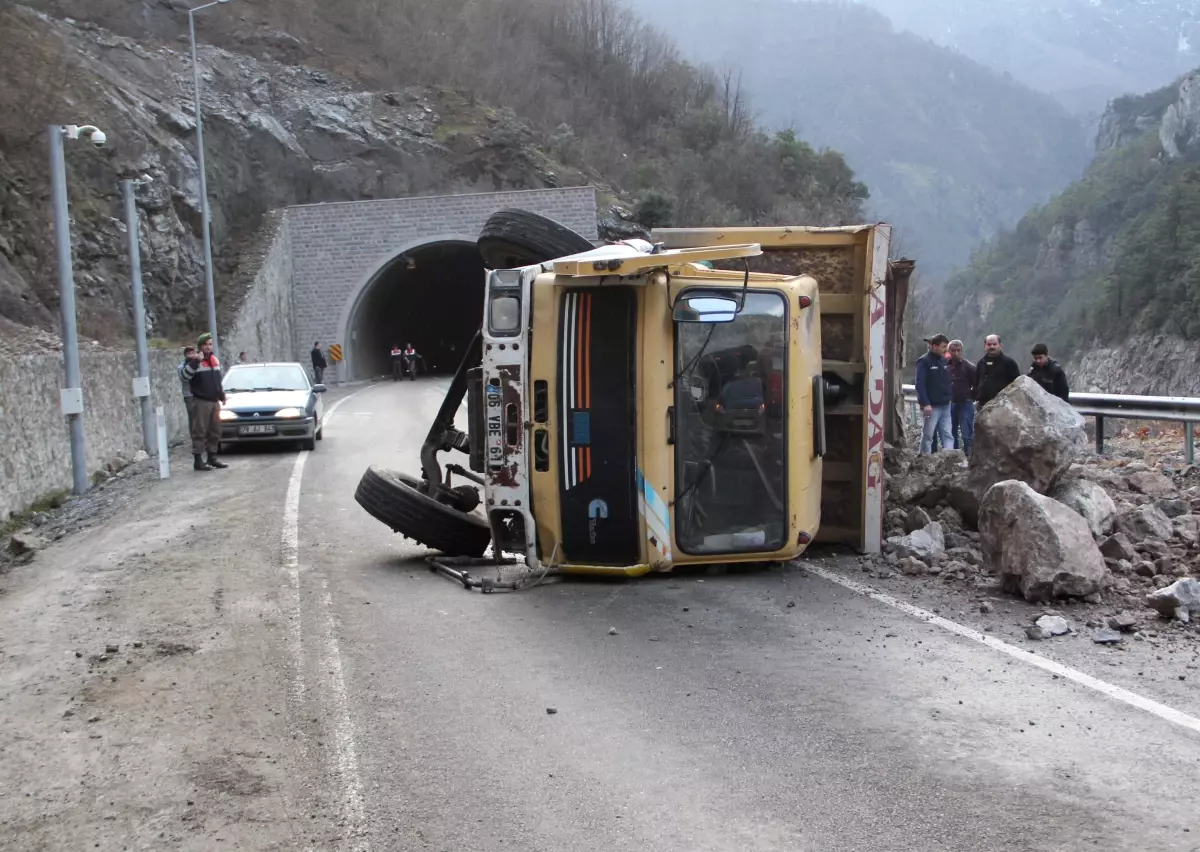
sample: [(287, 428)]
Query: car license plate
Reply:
[(257, 429)]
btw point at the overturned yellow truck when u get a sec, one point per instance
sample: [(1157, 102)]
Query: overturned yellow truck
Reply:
[(713, 396)]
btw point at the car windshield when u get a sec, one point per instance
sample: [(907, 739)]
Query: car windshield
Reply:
[(267, 377)]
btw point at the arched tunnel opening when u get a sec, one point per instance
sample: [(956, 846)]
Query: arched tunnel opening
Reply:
[(430, 296)]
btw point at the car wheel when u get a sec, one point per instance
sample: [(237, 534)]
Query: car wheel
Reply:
[(515, 238), (395, 499), (308, 444), (320, 433)]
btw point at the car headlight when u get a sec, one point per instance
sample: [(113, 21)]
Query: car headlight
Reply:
[(226, 414), (289, 412)]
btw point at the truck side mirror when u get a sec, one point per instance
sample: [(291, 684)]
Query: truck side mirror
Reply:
[(704, 309)]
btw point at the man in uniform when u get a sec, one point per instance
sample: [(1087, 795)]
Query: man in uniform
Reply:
[(203, 372), (397, 363)]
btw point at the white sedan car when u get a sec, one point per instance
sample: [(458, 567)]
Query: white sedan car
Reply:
[(271, 402)]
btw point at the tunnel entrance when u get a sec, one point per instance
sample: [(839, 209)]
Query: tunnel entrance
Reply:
[(430, 296)]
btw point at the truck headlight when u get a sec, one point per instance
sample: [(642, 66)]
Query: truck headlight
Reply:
[(505, 314)]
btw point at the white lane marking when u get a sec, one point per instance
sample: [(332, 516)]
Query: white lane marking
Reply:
[(334, 687), (1117, 693)]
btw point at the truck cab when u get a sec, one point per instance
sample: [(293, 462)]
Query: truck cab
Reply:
[(642, 410)]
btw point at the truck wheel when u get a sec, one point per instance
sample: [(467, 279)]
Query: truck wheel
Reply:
[(394, 498), (514, 238)]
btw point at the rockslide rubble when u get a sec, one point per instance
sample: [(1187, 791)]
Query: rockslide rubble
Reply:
[(1034, 514)]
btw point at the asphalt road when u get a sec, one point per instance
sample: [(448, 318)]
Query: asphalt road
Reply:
[(750, 711), (289, 675)]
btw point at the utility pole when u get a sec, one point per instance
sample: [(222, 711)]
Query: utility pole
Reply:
[(141, 382), (209, 290)]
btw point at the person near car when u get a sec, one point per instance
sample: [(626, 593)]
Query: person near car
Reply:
[(994, 372), (189, 402), (962, 407), (397, 363), (934, 394), (1049, 373), (318, 362), (203, 372)]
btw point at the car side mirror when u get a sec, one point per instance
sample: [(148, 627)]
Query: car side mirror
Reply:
[(319, 388)]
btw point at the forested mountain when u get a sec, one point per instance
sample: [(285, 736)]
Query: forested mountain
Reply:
[(952, 151), (331, 100), (1112, 260)]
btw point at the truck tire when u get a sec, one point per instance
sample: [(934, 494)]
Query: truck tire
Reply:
[(514, 238), (394, 499)]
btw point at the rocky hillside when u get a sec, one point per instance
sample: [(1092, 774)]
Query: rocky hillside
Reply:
[(276, 135), (308, 102), (1108, 272), (951, 150)]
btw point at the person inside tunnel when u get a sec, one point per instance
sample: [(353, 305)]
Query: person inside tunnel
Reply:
[(430, 297)]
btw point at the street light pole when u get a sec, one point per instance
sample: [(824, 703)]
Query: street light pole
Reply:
[(72, 394), (141, 384), (209, 290)]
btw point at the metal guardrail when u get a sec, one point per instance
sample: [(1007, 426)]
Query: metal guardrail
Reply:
[(1179, 409)]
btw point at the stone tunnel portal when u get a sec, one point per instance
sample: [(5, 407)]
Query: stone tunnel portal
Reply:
[(430, 296)]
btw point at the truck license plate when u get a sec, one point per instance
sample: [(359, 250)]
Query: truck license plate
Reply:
[(257, 429), (495, 426)]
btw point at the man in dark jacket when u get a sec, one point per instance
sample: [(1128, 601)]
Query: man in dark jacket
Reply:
[(934, 394), (962, 408), (994, 372), (318, 362), (1049, 373), (203, 372)]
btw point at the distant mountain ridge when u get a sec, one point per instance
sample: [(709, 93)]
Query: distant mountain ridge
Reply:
[(1084, 52), (951, 150), (1110, 264)]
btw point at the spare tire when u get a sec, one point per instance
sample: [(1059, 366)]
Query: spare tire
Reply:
[(514, 238), (394, 498)]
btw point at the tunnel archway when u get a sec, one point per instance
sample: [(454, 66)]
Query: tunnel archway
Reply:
[(430, 295)]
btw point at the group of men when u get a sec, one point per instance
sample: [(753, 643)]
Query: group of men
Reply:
[(950, 389)]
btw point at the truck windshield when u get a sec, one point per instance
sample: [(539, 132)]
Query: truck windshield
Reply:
[(730, 399)]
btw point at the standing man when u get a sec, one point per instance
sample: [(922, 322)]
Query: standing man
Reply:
[(318, 362), (1049, 373), (962, 408), (934, 394), (397, 363), (410, 361), (189, 402), (994, 372), (203, 371)]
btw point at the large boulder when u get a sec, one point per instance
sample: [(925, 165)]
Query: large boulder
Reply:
[(1037, 546), (1179, 600), (1152, 484), (1025, 434), (924, 544), (1090, 502), (1143, 522)]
